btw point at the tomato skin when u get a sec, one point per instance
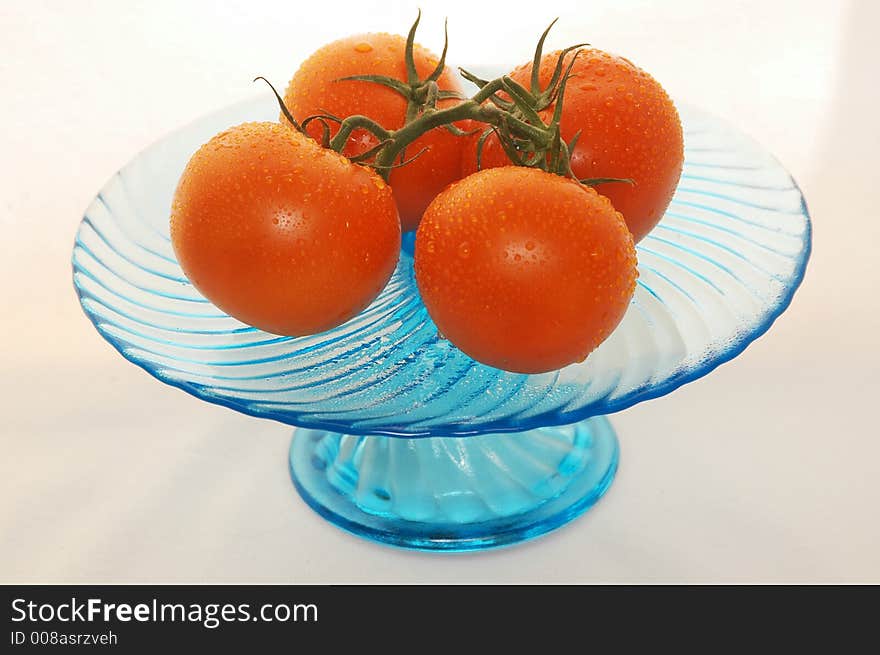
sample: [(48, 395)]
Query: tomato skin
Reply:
[(417, 183), (314, 90), (629, 128), (280, 233), (524, 270)]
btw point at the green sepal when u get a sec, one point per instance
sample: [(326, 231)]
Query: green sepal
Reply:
[(402, 163), (506, 105), (536, 62), (596, 181), (574, 141), (326, 117), (284, 109), (441, 65), (551, 89), (559, 94), (470, 77), (353, 123), (481, 142), (372, 152), (555, 147), (522, 99), (445, 94), (384, 80), (412, 75), (325, 131)]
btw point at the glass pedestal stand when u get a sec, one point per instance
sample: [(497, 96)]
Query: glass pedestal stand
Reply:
[(455, 493)]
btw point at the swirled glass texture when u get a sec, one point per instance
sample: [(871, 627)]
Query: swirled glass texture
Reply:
[(716, 272)]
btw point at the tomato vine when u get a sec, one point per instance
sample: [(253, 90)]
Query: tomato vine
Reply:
[(501, 105)]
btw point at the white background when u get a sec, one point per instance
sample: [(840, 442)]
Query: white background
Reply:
[(766, 470)]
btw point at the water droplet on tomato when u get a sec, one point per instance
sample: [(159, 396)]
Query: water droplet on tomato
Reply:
[(464, 250), (363, 46), (530, 245)]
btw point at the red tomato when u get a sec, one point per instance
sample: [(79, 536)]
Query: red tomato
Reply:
[(524, 270), (314, 90), (629, 129), (280, 233)]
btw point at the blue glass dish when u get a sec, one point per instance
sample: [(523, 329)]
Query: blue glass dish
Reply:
[(397, 428)]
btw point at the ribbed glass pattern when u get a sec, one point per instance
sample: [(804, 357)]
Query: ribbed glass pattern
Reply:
[(715, 273)]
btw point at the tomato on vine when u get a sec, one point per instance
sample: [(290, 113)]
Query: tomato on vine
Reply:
[(281, 233), (293, 227), (320, 87), (524, 270), (627, 127)]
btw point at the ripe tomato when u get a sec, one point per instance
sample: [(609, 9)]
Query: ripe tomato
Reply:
[(629, 129), (313, 90), (524, 270), (280, 233)]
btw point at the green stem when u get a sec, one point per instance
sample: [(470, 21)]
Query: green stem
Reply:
[(487, 90), (514, 118), (470, 109), (353, 123)]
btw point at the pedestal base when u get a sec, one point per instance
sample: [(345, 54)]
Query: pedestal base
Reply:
[(447, 493)]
